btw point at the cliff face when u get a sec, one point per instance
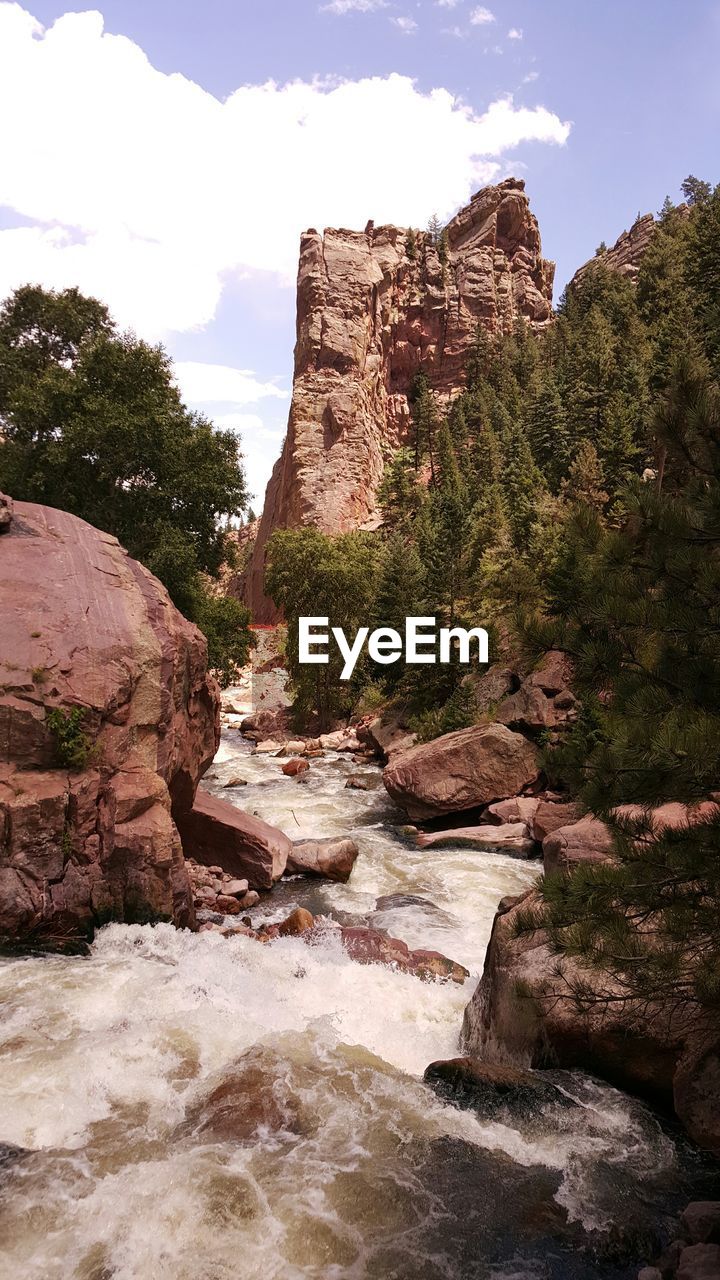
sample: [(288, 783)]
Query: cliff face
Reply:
[(626, 254), (94, 839), (370, 314)]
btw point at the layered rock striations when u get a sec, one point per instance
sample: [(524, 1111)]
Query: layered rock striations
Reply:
[(87, 795), (374, 308), (626, 254)]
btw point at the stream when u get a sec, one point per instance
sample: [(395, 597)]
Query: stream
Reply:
[(354, 1169)]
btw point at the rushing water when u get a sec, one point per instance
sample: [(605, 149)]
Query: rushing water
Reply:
[(343, 1163)]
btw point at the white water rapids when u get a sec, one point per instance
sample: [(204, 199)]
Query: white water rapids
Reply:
[(103, 1059)]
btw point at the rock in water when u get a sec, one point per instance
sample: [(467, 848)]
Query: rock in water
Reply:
[(214, 831), (490, 1087), (331, 859), (461, 771), (368, 318), (86, 807)]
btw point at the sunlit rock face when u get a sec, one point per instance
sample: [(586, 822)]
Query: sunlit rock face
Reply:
[(372, 310), (87, 830)]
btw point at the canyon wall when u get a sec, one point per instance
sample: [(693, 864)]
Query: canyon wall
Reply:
[(374, 308)]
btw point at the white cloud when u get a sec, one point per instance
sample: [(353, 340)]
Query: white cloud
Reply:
[(158, 194), (515, 33), (447, 4), (457, 32), (531, 77), (406, 25), (353, 6), (221, 384), (480, 17)]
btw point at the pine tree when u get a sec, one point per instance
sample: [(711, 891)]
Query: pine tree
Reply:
[(639, 610)]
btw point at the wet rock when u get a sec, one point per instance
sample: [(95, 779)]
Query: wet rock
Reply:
[(490, 1087), (363, 782), (249, 899), (294, 747), (248, 848), (299, 921), (461, 770), (268, 747), (699, 1262), (586, 841), (513, 836), (235, 781), (229, 906), (294, 767), (255, 1097), (701, 1221), (372, 946), (9, 1153), (332, 859), (523, 1012)]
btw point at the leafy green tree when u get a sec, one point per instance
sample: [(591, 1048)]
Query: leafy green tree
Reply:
[(310, 574), (92, 422)]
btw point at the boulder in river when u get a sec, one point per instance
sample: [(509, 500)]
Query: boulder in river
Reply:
[(461, 770), (215, 831), (108, 719), (523, 1012), (299, 921), (295, 766), (331, 859), (373, 946), (256, 1096), (490, 1087), (513, 837)]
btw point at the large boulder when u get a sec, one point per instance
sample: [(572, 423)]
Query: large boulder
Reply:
[(461, 771), (331, 859), (216, 833), (107, 722), (523, 1012), (588, 840)]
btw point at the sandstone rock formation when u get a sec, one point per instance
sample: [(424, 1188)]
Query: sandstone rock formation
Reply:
[(370, 314), (523, 1013), (214, 831), (461, 770), (626, 254), (88, 796)]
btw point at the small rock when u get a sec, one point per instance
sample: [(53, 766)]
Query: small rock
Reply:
[(235, 888), (299, 921), (230, 906), (294, 747), (235, 782), (266, 748), (358, 782), (250, 899)]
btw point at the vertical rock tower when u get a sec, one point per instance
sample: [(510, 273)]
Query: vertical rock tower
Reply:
[(373, 308)]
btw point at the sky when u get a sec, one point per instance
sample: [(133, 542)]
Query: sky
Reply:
[(165, 155)]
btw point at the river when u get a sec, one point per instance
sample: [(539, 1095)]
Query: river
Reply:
[(105, 1060)]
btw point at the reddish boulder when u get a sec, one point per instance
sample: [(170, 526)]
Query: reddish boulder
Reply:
[(518, 809), (295, 766), (548, 816), (214, 831), (257, 1095), (299, 921), (553, 674), (88, 795), (512, 836), (372, 946), (588, 840), (461, 770)]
